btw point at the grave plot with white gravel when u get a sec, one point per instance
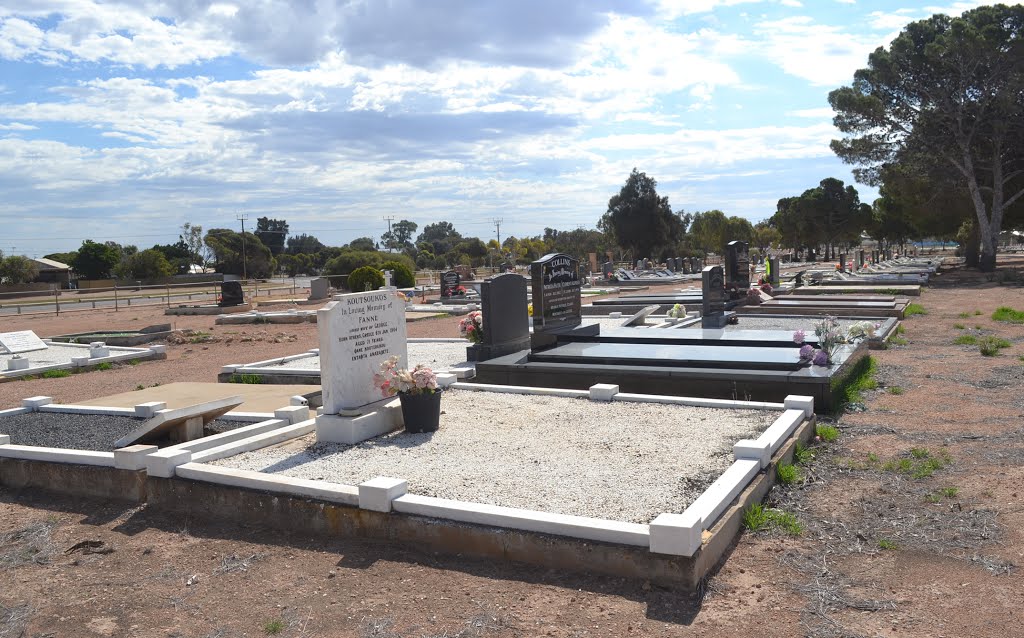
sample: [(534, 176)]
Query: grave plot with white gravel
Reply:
[(67, 356), (622, 461)]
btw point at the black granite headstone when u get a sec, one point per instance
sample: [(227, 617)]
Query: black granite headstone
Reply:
[(449, 283), (713, 297), (556, 286), (737, 268), (607, 269), (842, 262), (507, 267), (506, 318), (231, 293)]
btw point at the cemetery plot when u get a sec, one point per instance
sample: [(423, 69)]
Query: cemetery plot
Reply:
[(623, 461), (65, 356), (672, 356)]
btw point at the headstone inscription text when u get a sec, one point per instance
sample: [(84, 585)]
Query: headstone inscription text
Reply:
[(450, 283), (556, 292), (20, 341), (357, 332)]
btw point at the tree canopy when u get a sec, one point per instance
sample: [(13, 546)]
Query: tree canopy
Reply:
[(272, 232), (640, 220), (95, 260), (227, 246), (947, 93)]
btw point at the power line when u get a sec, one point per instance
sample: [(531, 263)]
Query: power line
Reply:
[(389, 220), (497, 229)]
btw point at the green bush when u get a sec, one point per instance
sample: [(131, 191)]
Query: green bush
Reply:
[(403, 274), (990, 346), (365, 278), (1005, 313), (965, 340), (828, 433), (915, 309), (348, 261)]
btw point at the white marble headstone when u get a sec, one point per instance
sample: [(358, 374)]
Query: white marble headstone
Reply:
[(21, 341), (357, 332)]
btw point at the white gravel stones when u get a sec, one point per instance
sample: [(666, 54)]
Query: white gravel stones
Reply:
[(621, 461), (81, 431), (59, 354)]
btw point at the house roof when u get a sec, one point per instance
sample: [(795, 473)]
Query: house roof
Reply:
[(49, 264)]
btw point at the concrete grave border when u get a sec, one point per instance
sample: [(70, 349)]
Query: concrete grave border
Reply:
[(676, 548), (86, 363)]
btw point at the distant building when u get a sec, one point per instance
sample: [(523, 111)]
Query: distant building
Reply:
[(52, 272)]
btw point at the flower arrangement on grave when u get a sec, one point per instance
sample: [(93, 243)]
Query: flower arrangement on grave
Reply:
[(392, 380), (754, 296), (677, 311), (830, 336), (458, 290), (766, 288), (862, 330), (472, 326)]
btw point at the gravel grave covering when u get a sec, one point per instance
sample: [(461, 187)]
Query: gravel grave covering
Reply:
[(73, 431), (621, 461), (786, 323), (82, 431)]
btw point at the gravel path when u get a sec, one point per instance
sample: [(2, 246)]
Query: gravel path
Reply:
[(621, 461)]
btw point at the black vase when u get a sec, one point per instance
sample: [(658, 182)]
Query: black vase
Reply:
[(421, 412)]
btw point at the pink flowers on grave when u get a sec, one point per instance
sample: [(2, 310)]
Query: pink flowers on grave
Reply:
[(799, 336), (392, 380), (472, 326), (806, 352), (820, 358)]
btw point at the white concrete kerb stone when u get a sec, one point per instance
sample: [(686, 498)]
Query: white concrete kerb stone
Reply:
[(34, 403), (5, 439), (158, 349), (149, 409), (377, 493), (748, 449), (293, 413), (603, 392), (162, 463), (677, 534), (798, 402), (133, 457), (445, 379)]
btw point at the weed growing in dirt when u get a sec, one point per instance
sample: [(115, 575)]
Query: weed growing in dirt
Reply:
[(915, 309), (920, 464), (873, 458), (200, 337), (959, 326), (787, 473), (898, 341), (966, 340), (828, 433), (990, 346), (900, 329), (133, 362), (106, 365), (140, 387), (861, 378), (253, 379), (964, 315), (977, 312), (801, 454), (885, 543), (273, 626), (931, 498), (758, 518), (895, 389), (29, 377), (1005, 313), (950, 492), (55, 374)]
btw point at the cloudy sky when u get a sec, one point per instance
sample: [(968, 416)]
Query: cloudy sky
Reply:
[(123, 120)]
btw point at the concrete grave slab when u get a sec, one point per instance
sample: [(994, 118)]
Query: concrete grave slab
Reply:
[(20, 341), (181, 424)]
